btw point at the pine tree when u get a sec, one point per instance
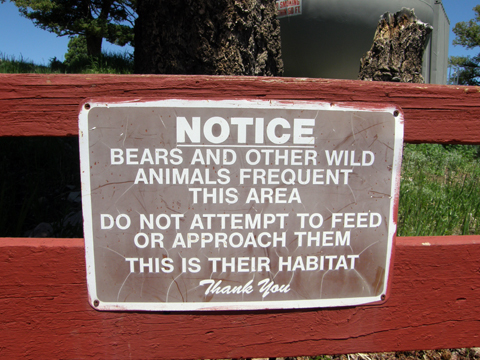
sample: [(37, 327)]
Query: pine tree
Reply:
[(467, 35), (94, 19)]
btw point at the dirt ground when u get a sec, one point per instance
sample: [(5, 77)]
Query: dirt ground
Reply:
[(444, 354)]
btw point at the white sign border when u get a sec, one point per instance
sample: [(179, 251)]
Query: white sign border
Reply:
[(254, 104)]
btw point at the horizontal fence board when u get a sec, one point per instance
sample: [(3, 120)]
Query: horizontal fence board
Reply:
[(44, 311), (47, 105)]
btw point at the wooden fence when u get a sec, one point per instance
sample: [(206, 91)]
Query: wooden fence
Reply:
[(44, 312)]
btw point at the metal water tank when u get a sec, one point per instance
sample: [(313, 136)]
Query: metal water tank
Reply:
[(327, 38)]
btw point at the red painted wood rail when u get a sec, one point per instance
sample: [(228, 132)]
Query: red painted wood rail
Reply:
[(433, 113), (44, 311)]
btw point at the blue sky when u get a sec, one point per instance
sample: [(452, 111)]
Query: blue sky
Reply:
[(20, 38)]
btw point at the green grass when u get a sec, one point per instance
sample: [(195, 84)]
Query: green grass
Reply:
[(440, 190), (10, 65), (107, 63)]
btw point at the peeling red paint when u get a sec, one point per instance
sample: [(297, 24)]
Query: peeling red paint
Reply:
[(432, 112)]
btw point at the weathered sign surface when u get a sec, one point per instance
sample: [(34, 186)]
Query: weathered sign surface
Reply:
[(209, 205), (288, 8)]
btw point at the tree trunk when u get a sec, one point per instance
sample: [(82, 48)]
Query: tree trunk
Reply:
[(223, 37), (94, 45), (397, 50)]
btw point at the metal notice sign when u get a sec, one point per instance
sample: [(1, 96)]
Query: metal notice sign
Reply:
[(225, 205)]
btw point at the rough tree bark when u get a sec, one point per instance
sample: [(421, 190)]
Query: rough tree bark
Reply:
[(397, 50), (224, 37)]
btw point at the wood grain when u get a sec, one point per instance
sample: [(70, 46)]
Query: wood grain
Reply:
[(47, 105), (45, 313)]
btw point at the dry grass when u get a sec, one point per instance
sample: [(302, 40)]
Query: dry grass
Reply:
[(444, 354)]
